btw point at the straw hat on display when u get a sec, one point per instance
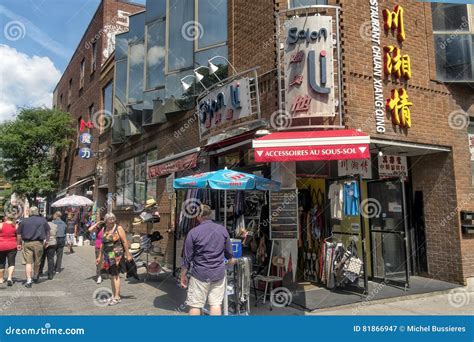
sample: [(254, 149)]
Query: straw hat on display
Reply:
[(137, 221), (150, 202)]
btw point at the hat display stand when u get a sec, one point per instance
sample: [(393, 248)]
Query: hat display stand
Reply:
[(149, 215)]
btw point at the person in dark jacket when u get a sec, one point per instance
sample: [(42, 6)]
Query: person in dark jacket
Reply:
[(34, 232), (60, 239)]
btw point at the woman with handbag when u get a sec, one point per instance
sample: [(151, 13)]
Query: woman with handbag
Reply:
[(98, 230), (112, 255)]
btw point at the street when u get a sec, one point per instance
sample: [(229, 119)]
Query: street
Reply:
[(75, 292)]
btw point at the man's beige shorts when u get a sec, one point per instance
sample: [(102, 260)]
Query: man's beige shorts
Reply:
[(200, 291), (32, 252)]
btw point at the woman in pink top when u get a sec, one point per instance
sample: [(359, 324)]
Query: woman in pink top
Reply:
[(99, 229), (8, 247)]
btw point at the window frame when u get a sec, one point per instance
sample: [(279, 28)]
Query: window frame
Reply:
[(456, 33), (82, 73), (290, 7), (196, 40), (145, 73), (124, 184), (128, 71)]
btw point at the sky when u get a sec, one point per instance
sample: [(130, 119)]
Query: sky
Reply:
[(37, 40)]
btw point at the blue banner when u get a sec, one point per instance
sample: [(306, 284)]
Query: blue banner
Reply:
[(246, 329)]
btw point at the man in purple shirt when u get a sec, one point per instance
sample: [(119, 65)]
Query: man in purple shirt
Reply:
[(205, 248)]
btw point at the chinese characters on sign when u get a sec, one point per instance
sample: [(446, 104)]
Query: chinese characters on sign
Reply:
[(361, 167), (397, 65), (85, 153), (85, 138), (309, 67), (392, 166)]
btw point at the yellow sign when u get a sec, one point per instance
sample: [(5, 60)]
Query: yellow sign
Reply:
[(394, 20), (395, 63), (399, 107)]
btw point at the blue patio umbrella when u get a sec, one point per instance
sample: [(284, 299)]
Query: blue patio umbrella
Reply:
[(226, 180)]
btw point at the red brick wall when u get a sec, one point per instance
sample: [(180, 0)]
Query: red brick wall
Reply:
[(432, 104), (74, 167)]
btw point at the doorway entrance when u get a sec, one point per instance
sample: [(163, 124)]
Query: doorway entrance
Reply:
[(388, 231)]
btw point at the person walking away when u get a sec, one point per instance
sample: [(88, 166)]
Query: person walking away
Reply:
[(111, 256), (205, 247), (34, 232), (8, 247), (98, 229), (71, 231), (50, 250), (60, 239)]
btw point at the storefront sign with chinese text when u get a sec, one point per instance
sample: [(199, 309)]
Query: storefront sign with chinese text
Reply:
[(398, 66), (85, 138), (175, 165), (224, 105), (85, 124), (309, 67), (392, 166), (361, 167), (85, 153)]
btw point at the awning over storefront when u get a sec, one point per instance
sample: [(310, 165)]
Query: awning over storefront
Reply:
[(178, 162), (74, 185), (312, 145)]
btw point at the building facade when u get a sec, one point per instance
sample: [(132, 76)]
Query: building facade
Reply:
[(271, 88), (80, 92)]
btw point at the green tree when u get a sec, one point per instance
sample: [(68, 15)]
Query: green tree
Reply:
[(31, 147)]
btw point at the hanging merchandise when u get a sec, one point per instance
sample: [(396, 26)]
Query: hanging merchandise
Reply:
[(336, 197), (351, 198)]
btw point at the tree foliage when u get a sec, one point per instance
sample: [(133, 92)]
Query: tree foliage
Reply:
[(31, 146)]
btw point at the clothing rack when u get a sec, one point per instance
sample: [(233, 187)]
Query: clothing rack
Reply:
[(357, 178)]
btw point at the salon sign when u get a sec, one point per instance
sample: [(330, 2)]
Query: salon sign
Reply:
[(223, 106), (309, 67)]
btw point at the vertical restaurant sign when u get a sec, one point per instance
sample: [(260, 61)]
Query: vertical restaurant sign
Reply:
[(223, 106), (361, 167), (309, 67), (379, 101), (392, 166)]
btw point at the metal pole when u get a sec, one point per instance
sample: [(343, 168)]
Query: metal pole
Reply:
[(225, 209)]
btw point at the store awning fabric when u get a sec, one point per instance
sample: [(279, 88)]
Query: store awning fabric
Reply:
[(312, 145), (226, 180)]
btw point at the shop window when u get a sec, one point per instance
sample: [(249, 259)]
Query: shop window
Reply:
[(212, 19), (453, 31), (181, 32), (176, 98), (136, 62), (155, 56), (131, 180), (304, 3)]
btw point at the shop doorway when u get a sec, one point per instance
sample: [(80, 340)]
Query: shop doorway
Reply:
[(388, 231)]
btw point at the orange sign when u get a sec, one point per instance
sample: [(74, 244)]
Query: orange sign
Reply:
[(394, 20)]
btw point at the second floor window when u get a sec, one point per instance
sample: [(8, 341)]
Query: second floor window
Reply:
[(69, 92), (453, 30)]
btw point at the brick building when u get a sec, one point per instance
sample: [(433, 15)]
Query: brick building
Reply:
[(422, 225), (79, 91)]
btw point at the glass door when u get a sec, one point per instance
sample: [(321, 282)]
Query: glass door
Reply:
[(388, 231)]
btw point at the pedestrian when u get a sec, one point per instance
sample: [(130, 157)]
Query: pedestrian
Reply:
[(71, 231), (34, 232), (98, 229), (50, 250), (8, 247), (111, 257), (205, 247), (60, 239)]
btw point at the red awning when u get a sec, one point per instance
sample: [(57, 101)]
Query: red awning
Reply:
[(312, 145)]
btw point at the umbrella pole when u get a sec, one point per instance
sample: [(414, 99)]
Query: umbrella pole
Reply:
[(225, 209)]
